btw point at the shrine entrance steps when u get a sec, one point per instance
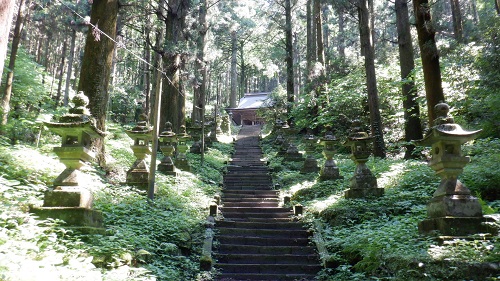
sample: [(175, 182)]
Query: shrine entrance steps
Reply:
[(257, 239)]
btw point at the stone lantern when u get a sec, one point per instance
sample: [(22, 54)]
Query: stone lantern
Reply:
[(330, 171), (195, 132), (278, 129), (226, 125), (168, 140), (310, 163), (363, 183), (141, 134), (452, 211), (181, 161), (67, 200), (285, 143)]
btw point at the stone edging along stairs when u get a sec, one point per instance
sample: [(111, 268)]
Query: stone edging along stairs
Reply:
[(257, 239)]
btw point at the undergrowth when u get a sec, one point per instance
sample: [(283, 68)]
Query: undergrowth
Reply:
[(159, 240), (378, 238)]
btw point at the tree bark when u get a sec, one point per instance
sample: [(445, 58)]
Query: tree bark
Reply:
[(97, 63), (367, 47), (61, 73), (412, 126), (318, 22), (173, 98), (309, 41), (70, 67), (289, 57), (12, 63), (457, 20), (341, 36), (200, 65), (430, 56), (234, 75), (497, 6), (6, 13)]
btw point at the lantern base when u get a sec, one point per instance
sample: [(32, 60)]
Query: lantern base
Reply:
[(68, 196), (456, 226), (139, 178), (293, 156), (454, 206), (83, 219), (330, 171), (310, 166), (183, 164), (354, 193)]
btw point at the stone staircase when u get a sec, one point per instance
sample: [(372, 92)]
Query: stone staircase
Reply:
[(257, 239)]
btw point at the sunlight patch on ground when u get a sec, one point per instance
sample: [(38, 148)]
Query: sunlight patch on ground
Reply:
[(388, 178), (320, 205)]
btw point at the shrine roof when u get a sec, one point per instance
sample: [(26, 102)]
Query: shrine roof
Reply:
[(253, 100)]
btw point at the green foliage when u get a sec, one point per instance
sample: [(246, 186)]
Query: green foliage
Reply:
[(479, 100), (481, 175), (30, 98), (344, 99), (158, 240)]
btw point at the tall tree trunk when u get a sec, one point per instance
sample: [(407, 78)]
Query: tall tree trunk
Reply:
[(371, 81), (296, 69), (173, 98), (97, 63), (341, 36), (289, 57), (309, 41), (243, 70), (157, 62), (6, 13), (200, 67), (70, 67), (147, 77), (497, 6), (12, 63), (61, 73), (234, 74), (413, 127), (430, 56), (457, 20), (320, 46)]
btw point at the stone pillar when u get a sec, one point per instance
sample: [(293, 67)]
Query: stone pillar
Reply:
[(226, 125), (67, 200), (330, 171), (310, 163), (363, 183), (141, 134), (285, 143), (195, 132), (167, 139), (452, 211), (181, 161)]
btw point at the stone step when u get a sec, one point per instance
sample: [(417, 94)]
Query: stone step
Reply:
[(253, 210), (264, 233), (260, 225), (269, 268), (248, 187), (261, 241), (250, 193), (251, 204), (257, 276), (266, 250), (267, 259), (247, 215)]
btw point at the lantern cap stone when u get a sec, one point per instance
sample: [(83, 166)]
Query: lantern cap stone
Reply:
[(446, 128), (77, 118), (183, 134), (168, 131)]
